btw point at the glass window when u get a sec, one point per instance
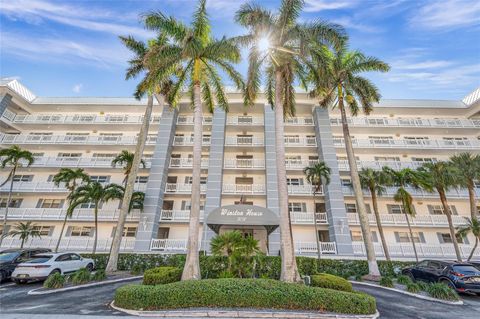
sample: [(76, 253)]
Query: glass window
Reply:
[(295, 181), (351, 208), (43, 230), (296, 207), (88, 205), (22, 178), (50, 203), (141, 179), (14, 202), (81, 231), (404, 237), (100, 178), (395, 209)]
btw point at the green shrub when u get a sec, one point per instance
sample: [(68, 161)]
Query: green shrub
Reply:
[(226, 274), (422, 284), (331, 282), (413, 287), (54, 281), (81, 276), (242, 293), (404, 280), (137, 269), (441, 291), (161, 275), (386, 282), (99, 275)]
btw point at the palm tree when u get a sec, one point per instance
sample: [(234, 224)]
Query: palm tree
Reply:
[(402, 179), (468, 166), (96, 193), (442, 176), (24, 231), (14, 157), (125, 160), (472, 226), (225, 245), (71, 178), (337, 79), (280, 48), (375, 181), (317, 175), (199, 58)]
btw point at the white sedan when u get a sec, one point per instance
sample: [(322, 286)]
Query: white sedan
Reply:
[(43, 265)]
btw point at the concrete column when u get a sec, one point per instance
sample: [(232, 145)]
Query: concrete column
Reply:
[(271, 177), (149, 219), (334, 202), (215, 172)]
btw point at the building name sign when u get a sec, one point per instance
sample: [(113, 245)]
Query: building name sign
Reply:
[(242, 215)]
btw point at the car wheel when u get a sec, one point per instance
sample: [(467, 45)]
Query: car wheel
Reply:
[(89, 267), (55, 271), (410, 275), (3, 276), (18, 282)]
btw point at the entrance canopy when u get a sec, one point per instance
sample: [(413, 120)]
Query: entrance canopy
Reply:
[(242, 215)]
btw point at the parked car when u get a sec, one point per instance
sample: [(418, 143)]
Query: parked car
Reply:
[(10, 258), (475, 263), (463, 277), (44, 265)]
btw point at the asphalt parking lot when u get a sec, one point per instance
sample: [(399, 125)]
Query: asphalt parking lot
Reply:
[(15, 303)]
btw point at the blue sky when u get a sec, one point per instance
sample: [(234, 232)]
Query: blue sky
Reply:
[(71, 48)]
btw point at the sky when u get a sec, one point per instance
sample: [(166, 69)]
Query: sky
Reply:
[(71, 47)]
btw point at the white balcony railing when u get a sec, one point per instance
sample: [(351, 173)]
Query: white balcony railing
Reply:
[(77, 162), (173, 188), (186, 162), (72, 139), (244, 163), (59, 214), (427, 123), (188, 141), (245, 120), (49, 187), (309, 248), (307, 218), (390, 191), (377, 165), (300, 141), (400, 220), (188, 120), (169, 245), (303, 190), (243, 141), (244, 189), (406, 143), (298, 164), (299, 121), (78, 244)]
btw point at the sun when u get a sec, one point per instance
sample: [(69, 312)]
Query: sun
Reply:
[(263, 44)]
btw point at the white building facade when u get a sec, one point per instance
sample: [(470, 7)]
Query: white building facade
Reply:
[(238, 167)]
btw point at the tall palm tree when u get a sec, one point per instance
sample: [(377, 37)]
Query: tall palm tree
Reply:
[(24, 231), (442, 176), (96, 193), (374, 181), (472, 226), (317, 175), (468, 166), (280, 47), (71, 178), (125, 160), (199, 57), (337, 79), (402, 179), (14, 157)]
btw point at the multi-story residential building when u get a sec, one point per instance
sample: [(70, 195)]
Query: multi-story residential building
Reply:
[(238, 168)]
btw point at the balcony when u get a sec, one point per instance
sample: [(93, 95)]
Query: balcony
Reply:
[(186, 163), (171, 188), (169, 245), (421, 123), (169, 215), (188, 120), (72, 139), (303, 190), (243, 141), (78, 244), (390, 191), (240, 189), (413, 144), (377, 165), (28, 187), (298, 164), (400, 220), (77, 162), (59, 214), (245, 120), (235, 163), (299, 121), (188, 141), (300, 141), (307, 218), (310, 248)]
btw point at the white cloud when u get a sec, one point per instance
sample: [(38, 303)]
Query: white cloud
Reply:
[(77, 88), (447, 14), (319, 5)]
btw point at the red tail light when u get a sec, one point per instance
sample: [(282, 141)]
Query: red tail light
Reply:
[(457, 274)]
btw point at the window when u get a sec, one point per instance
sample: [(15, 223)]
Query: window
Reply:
[(189, 179), (293, 159), (68, 155), (128, 231), (295, 181), (404, 237), (115, 118), (44, 230), (351, 208), (50, 203), (416, 140), (357, 236), (186, 205), (14, 202), (297, 207), (346, 182), (387, 159), (381, 139), (83, 118), (163, 232), (89, 205), (22, 178), (100, 178), (424, 159), (104, 155), (141, 179), (292, 139), (81, 231), (395, 209), (377, 121), (438, 210), (76, 137), (460, 141), (445, 238)]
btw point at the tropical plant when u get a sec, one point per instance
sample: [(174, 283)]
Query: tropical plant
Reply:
[(317, 175), (280, 49), (472, 225), (125, 160), (13, 157), (24, 231), (442, 176), (337, 83), (402, 179), (96, 193), (468, 165), (71, 178), (198, 58), (54, 281), (374, 181)]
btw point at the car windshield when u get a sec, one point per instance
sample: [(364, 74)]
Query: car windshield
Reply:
[(8, 256), (465, 269), (38, 259)]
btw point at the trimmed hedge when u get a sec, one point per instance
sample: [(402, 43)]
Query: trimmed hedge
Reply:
[(242, 293), (267, 266), (331, 282), (162, 275)]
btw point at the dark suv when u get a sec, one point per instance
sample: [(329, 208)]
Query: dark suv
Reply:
[(10, 258), (463, 277)]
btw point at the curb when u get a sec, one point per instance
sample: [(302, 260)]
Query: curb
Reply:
[(212, 313), (93, 284), (452, 303)]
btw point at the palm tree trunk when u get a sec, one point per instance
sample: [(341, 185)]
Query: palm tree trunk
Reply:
[(61, 232), (446, 209), (319, 251), (95, 229), (379, 224), (471, 197), (473, 250), (4, 229), (289, 271), (191, 269), (23, 242), (411, 234), (112, 264), (373, 270)]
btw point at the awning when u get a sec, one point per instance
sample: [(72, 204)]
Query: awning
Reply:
[(242, 215)]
